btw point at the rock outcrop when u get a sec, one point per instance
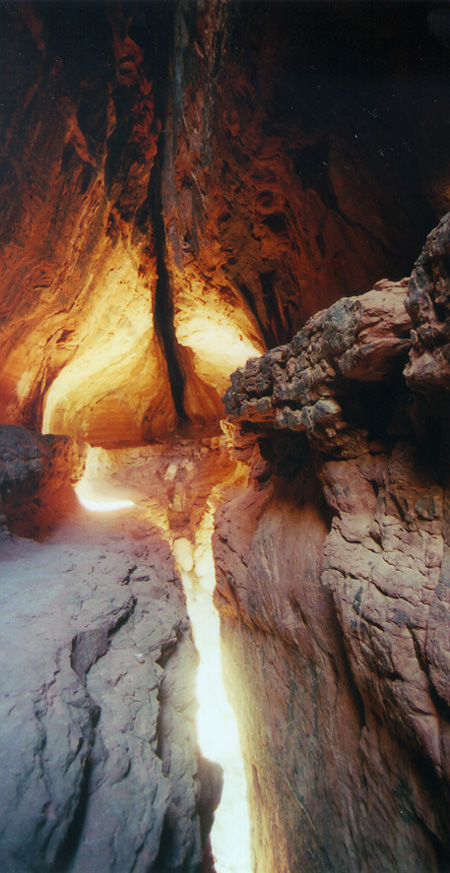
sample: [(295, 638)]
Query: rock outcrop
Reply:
[(428, 304), (36, 477), (332, 584), (305, 386)]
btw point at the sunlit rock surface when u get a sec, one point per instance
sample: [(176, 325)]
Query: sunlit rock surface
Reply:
[(89, 344), (184, 184), (78, 256), (334, 562), (99, 763)]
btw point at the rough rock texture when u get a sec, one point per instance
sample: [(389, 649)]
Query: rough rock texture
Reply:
[(98, 751), (78, 261), (292, 136), (36, 473), (334, 562), (98, 741), (183, 184), (303, 386), (428, 304)]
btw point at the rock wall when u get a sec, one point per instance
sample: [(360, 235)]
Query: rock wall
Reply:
[(37, 475), (333, 578), (183, 185), (293, 141), (79, 261)]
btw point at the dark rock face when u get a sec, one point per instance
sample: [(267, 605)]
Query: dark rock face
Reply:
[(429, 306), (36, 474), (339, 571), (296, 134)]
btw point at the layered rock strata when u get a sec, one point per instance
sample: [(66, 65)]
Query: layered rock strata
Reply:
[(332, 580)]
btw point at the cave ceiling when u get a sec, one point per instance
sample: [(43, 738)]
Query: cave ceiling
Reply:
[(182, 185)]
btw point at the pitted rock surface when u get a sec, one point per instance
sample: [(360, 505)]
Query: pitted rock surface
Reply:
[(428, 304), (301, 386), (335, 560)]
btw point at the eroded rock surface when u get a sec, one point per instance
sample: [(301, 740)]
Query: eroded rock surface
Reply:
[(98, 750), (429, 306), (334, 562), (184, 184), (303, 386), (36, 475)]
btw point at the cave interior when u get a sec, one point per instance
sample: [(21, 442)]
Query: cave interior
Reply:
[(224, 434)]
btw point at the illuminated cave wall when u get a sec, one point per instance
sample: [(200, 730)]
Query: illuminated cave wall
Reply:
[(183, 184)]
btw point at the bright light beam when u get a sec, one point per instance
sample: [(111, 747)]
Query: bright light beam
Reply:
[(218, 734), (99, 498), (104, 505)]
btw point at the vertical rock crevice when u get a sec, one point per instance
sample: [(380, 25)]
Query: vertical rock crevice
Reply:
[(163, 305)]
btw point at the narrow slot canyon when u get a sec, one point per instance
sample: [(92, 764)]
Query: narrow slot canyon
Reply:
[(100, 492), (224, 436)]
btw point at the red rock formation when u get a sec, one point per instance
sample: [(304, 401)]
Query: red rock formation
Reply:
[(183, 184), (334, 562), (291, 151), (79, 267)]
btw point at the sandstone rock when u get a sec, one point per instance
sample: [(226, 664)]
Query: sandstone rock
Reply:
[(334, 779), (98, 749), (98, 752), (428, 303), (182, 185), (303, 386), (283, 171), (349, 768), (177, 195)]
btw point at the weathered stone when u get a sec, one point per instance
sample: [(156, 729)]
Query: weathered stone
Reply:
[(359, 339), (362, 782), (98, 750), (171, 207), (36, 473), (428, 303), (85, 715)]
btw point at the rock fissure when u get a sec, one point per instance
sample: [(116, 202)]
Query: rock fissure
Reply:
[(183, 185), (163, 306)]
